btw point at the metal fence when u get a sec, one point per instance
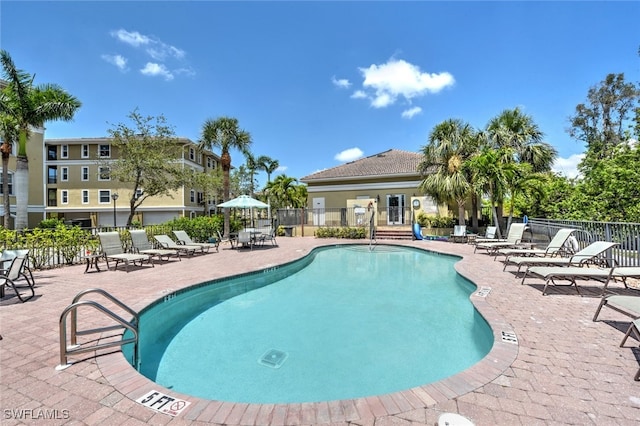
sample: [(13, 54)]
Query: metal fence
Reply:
[(341, 217), (627, 235)]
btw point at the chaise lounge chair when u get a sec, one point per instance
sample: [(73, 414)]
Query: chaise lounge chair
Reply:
[(591, 254), (628, 305), (459, 234), (572, 273), (635, 329), (514, 237), (15, 272), (112, 250), (184, 238), (556, 246), (489, 236), (140, 244), (167, 243)]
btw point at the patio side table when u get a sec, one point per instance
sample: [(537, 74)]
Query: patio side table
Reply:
[(92, 262)]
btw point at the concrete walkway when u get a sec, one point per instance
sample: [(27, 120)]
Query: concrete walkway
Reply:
[(564, 368)]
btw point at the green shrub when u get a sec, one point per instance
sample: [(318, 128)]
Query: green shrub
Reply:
[(435, 221), (343, 232)]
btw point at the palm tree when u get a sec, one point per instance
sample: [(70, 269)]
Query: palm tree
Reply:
[(451, 143), (490, 174), (516, 135), (285, 192), (9, 132), (268, 164), (225, 133), (252, 166), (30, 106)]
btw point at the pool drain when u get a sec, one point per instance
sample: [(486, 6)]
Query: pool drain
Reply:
[(273, 358)]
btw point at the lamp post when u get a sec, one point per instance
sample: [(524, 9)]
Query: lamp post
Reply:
[(114, 197)]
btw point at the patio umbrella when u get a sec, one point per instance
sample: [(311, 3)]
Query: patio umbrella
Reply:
[(244, 202)]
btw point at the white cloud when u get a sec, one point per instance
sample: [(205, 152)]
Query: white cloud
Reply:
[(359, 94), (409, 113), (342, 83), (134, 38), (152, 69), (155, 48), (282, 169), (117, 60), (397, 78), (568, 166), (349, 155)]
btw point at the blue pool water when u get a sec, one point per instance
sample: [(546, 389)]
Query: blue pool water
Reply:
[(341, 323)]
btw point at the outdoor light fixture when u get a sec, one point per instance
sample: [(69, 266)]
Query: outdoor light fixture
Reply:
[(114, 197)]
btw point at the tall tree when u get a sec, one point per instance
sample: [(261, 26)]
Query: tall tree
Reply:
[(30, 106), (269, 165), (148, 158), (515, 135), (226, 134), (602, 121), (9, 131), (252, 166), (490, 175), (451, 143), (286, 193)]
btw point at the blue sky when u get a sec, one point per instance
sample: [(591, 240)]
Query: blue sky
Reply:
[(320, 83)]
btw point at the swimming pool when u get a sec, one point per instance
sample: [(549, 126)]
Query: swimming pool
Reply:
[(343, 322)]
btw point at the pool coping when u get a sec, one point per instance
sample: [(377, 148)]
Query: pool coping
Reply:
[(125, 379)]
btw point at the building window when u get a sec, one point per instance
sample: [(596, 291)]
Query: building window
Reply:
[(64, 151), (85, 196), (64, 174), (51, 197), (52, 152), (104, 173), (64, 196), (85, 173), (10, 179), (53, 174), (209, 162), (104, 196), (192, 154), (200, 198), (193, 196), (85, 151), (104, 151)]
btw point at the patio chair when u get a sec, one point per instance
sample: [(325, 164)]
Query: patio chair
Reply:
[(112, 250), (627, 305), (15, 272), (591, 254), (9, 254), (166, 242), (489, 236), (573, 273), (556, 246), (184, 238), (459, 234), (221, 240), (514, 237), (635, 329), (140, 244), (246, 239), (270, 235)]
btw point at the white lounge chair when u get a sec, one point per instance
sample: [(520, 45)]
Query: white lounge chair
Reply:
[(489, 236), (184, 238), (140, 244), (591, 254), (514, 237), (112, 250), (628, 305), (166, 242), (459, 234), (551, 274), (556, 246)]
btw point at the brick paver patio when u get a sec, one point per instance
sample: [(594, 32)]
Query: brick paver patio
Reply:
[(565, 369)]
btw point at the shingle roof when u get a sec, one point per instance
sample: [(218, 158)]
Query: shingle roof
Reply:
[(391, 162)]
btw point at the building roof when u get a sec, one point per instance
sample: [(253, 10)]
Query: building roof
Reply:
[(388, 163)]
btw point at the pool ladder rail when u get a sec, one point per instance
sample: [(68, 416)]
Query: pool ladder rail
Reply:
[(74, 347)]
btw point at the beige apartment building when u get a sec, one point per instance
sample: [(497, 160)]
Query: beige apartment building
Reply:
[(68, 180)]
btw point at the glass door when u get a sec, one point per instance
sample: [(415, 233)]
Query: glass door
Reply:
[(395, 209)]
